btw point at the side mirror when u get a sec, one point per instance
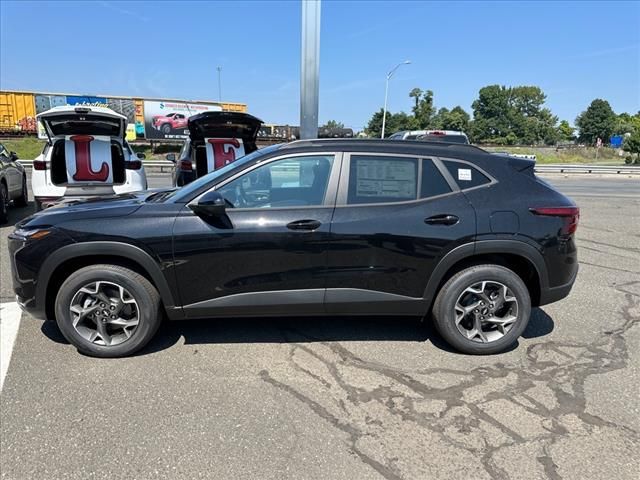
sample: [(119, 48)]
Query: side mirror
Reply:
[(13, 156), (211, 204), (141, 156), (171, 157)]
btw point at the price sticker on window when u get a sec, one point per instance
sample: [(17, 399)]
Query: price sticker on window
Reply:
[(464, 174)]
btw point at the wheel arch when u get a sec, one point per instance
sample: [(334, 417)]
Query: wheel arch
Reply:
[(58, 266), (522, 258)]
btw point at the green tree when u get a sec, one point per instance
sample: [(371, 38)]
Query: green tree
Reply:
[(395, 123), (626, 123), (565, 131), (632, 144), (333, 124), (455, 119), (423, 109), (509, 115), (597, 121)]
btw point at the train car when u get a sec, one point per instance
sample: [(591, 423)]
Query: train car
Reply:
[(17, 113), (19, 108)]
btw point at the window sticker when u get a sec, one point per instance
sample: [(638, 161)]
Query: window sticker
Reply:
[(386, 178), (464, 174)]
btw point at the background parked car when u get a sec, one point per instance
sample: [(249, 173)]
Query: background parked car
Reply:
[(215, 139), (104, 162), (13, 182)]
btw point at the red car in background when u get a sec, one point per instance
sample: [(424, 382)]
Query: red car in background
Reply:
[(169, 122)]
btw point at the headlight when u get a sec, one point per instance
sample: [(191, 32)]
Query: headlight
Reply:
[(34, 234)]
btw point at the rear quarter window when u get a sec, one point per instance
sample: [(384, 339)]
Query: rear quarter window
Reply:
[(466, 175)]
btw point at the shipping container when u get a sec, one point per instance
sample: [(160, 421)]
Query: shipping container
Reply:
[(17, 112)]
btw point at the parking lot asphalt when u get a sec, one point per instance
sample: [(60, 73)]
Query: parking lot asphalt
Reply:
[(352, 398)]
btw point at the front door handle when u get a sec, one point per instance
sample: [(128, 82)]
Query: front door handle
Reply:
[(304, 225), (442, 220)]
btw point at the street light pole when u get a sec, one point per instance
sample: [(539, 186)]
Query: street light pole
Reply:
[(386, 93), (219, 83)]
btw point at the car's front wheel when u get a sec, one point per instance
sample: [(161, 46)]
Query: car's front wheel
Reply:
[(108, 310), (166, 129), (482, 309)]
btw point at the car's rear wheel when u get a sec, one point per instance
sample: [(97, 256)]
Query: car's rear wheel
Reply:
[(23, 199), (482, 309), (108, 310), (4, 202)]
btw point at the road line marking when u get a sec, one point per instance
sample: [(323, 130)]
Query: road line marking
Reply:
[(10, 315)]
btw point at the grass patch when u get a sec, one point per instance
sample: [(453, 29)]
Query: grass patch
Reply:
[(27, 148), (606, 156)]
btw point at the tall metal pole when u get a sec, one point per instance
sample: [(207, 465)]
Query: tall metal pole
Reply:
[(384, 112), (386, 93), (219, 83), (310, 69)]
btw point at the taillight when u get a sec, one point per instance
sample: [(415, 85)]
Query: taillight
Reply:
[(185, 165), (39, 165), (570, 214), (133, 165)]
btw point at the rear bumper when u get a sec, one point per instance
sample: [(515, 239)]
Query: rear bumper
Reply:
[(553, 294)]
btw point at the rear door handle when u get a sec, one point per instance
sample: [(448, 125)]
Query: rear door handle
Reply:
[(442, 220), (304, 225)]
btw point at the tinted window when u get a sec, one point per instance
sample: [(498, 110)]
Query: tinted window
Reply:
[(466, 175), (380, 179), (290, 182), (433, 183), (445, 138)]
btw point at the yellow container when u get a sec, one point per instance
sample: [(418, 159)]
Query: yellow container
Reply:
[(17, 112)]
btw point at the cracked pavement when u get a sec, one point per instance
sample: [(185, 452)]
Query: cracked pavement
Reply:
[(347, 397)]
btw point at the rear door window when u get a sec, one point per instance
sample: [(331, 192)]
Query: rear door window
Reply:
[(466, 175), (382, 179), (433, 183)]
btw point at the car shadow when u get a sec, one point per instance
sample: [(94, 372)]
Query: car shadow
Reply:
[(17, 214), (305, 330)]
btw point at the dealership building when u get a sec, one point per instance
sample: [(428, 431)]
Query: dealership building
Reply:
[(148, 118)]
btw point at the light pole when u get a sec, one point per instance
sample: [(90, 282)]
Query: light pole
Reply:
[(219, 83), (386, 92)]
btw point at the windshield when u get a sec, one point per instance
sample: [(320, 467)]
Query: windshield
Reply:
[(186, 191)]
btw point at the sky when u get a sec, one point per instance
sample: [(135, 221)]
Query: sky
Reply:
[(575, 51)]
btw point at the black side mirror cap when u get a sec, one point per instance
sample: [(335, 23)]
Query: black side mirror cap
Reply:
[(171, 157), (211, 204)]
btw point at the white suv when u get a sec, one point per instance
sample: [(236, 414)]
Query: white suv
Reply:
[(86, 155)]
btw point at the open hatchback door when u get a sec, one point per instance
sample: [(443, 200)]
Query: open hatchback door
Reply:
[(219, 138), (86, 154)]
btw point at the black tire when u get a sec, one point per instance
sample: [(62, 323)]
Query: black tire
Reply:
[(4, 203), (444, 308), (144, 293), (166, 129), (23, 199)]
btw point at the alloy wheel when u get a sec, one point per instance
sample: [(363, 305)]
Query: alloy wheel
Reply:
[(104, 313), (486, 311)]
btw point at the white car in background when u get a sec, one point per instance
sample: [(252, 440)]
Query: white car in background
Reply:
[(86, 155), (449, 136)]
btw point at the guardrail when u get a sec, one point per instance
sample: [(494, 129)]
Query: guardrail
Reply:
[(548, 168), (574, 168)]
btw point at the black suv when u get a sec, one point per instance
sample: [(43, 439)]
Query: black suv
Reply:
[(313, 227)]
